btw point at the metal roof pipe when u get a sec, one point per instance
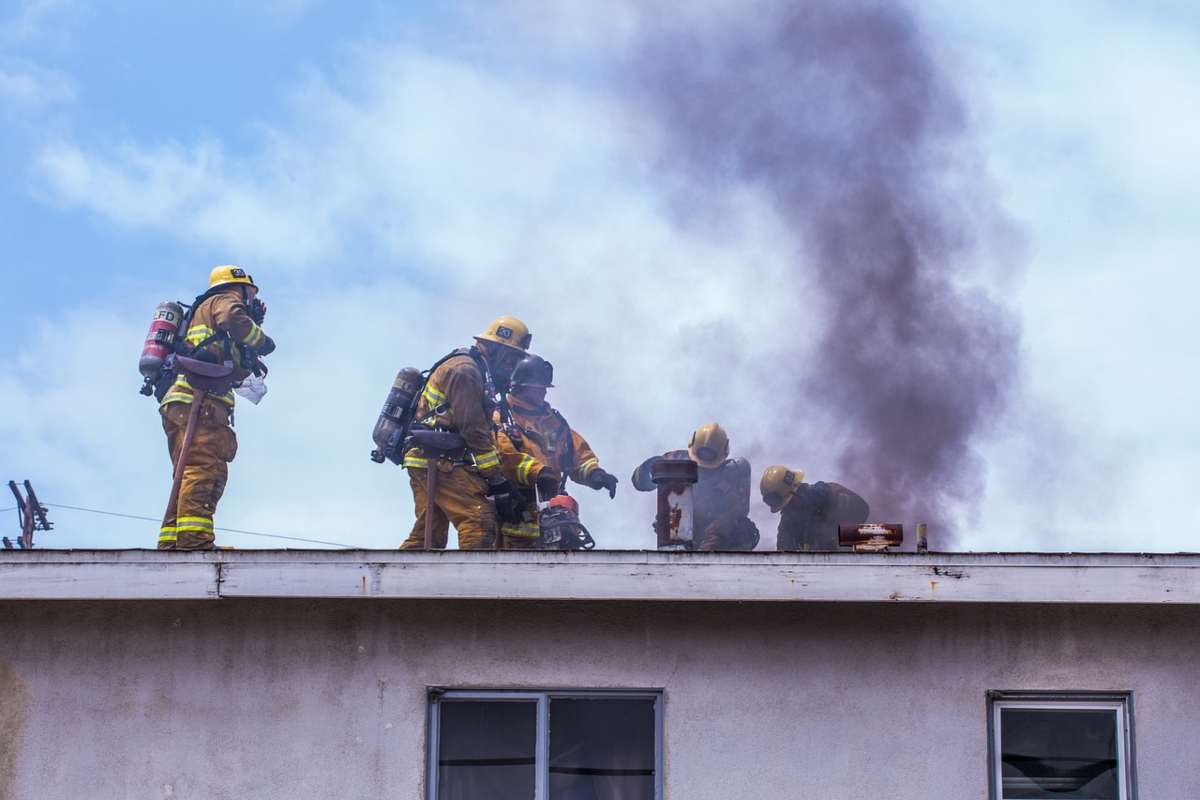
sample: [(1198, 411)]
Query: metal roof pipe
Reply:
[(676, 515)]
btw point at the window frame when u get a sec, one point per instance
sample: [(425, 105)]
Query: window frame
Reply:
[(1119, 701), (542, 697)]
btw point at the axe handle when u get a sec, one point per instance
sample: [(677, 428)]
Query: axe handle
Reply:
[(189, 434), (431, 487)]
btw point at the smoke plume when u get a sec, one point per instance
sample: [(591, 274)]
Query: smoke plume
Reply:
[(841, 116)]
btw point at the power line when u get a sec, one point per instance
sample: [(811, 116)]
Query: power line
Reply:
[(10, 508), (227, 530)]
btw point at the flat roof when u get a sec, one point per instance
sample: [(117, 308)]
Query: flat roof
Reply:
[(602, 575)]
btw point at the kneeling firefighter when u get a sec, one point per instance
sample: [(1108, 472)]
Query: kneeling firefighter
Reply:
[(721, 495), (809, 513), (540, 451), (194, 377), (451, 433)]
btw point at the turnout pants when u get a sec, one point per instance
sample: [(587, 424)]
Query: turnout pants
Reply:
[(461, 499), (189, 526), (523, 535)]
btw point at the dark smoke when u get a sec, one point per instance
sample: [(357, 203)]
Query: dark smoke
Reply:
[(841, 115)]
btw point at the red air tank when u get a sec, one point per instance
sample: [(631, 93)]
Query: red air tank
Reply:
[(160, 340)]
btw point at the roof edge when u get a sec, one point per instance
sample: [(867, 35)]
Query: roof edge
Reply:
[(1072, 578)]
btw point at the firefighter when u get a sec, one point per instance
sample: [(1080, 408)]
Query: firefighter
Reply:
[(460, 397), (809, 513), (540, 450), (223, 329), (722, 494)]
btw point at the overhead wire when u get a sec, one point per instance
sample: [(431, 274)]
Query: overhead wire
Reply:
[(226, 530)]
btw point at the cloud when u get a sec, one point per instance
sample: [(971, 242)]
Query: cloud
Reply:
[(23, 85), (391, 220), (410, 194), (31, 18)]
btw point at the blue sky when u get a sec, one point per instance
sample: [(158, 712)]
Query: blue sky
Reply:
[(397, 176)]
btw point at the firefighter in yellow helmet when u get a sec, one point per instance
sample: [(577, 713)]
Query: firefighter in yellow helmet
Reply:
[(722, 494), (540, 450), (223, 329), (809, 513), (460, 397)]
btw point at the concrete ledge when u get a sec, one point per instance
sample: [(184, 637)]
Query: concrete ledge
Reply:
[(609, 575), (115, 580)]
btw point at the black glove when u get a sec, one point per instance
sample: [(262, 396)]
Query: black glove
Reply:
[(510, 505), (548, 483), (251, 362), (266, 347), (599, 479), (258, 310)]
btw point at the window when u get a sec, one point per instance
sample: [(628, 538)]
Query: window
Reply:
[(1061, 746), (566, 745)]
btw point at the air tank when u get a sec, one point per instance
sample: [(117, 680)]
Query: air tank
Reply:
[(393, 421), (160, 341)]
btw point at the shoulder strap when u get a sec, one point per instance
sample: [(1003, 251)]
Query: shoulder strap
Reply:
[(427, 374), (193, 350)]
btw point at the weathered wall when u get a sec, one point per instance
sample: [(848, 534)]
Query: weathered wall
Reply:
[(227, 700)]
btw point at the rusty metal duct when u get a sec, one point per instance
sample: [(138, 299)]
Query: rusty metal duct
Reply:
[(676, 507), (871, 537)]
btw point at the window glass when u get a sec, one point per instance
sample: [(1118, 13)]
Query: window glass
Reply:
[(602, 749), (1059, 754), (486, 750)]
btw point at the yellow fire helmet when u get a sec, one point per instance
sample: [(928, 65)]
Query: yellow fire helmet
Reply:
[(508, 331), (709, 446), (229, 274), (778, 484)]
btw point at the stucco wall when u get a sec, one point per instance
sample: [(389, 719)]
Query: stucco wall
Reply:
[(290, 699)]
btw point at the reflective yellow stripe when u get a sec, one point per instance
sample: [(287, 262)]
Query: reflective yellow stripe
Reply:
[(181, 392), (229, 398), (198, 333), (487, 460), (524, 530), (433, 398), (416, 462), (254, 337), (523, 467), (194, 523), (588, 466), (167, 533)]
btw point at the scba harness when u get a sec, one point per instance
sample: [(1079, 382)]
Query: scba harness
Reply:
[(517, 433), (192, 357), (398, 430)]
